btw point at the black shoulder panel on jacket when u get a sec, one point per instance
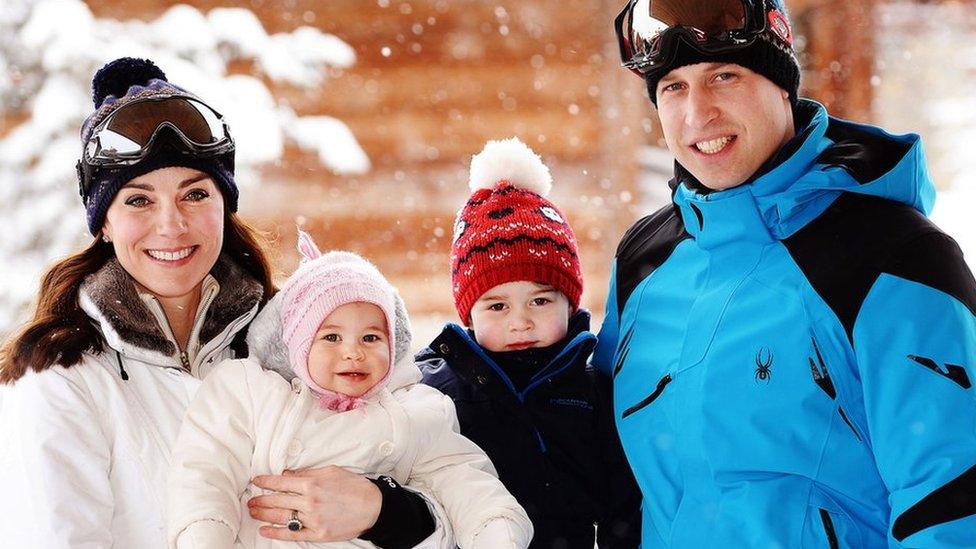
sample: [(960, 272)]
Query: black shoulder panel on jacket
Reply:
[(844, 250), (865, 155), (950, 502), (644, 247), (936, 261)]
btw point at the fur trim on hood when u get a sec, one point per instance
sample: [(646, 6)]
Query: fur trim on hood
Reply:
[(113, 292), (266, 345)]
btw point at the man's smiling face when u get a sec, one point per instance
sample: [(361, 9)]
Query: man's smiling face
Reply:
[(722, 121)]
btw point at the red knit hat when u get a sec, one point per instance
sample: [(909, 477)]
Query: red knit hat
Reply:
[(508, 231)]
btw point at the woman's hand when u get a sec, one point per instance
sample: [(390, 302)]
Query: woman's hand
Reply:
[(332, 503)]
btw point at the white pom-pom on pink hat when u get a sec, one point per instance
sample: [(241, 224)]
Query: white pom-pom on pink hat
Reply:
[(512, 161)]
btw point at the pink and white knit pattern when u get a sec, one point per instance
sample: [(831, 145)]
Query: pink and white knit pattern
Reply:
[(321, 284)]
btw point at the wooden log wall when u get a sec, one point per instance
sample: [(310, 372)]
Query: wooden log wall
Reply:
[(836, 38), (435, 79), (432, 82)]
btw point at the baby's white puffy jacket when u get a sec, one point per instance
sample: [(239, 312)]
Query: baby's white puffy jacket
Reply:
[(247, 420)]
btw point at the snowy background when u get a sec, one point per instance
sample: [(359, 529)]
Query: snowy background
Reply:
[(926, 83), (49, 49)]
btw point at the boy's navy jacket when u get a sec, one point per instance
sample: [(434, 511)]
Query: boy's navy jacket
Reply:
[(793, 358), (553, 442)]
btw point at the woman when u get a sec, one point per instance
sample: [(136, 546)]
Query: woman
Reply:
[(97, 382)]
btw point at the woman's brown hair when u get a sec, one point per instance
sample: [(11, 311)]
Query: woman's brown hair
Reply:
[(59, 332)]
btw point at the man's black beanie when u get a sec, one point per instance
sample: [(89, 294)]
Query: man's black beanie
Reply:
[(771, 55)]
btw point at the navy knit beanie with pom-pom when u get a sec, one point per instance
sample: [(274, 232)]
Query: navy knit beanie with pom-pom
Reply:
[(117, 84)]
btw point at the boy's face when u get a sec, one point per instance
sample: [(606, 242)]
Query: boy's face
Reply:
[(520, 315), (351, 350), (722, 121)]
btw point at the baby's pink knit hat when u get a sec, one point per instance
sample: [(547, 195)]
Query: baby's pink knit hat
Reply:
[(320, 285)]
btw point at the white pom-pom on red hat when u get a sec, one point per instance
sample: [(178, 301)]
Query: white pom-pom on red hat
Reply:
[(509, 160)]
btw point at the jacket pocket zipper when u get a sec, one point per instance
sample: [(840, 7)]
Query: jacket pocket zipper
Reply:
[(849, 424), (650, 398), (622, 352), (822, 378), (828, 525)]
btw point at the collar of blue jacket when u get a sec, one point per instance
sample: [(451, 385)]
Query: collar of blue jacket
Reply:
[(831, 156), (469, 360)]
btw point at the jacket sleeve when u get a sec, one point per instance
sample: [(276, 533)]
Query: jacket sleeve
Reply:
[(914, 341), (463, 480), (55, 464), (606, 343), (620, 519), (210, 464)]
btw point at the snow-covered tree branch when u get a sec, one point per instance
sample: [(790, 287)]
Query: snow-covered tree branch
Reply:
[(49, 50)]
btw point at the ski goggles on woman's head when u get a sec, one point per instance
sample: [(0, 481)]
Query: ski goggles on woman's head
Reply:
[(128, 134), (648, 31)]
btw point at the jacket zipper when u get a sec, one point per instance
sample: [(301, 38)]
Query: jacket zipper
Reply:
[(849, 424), (212, 348), (822, 378), (573, 347), (197, 325), (650, 398), (194, 331), (622, 352), (164, 324), (521, 396), (828, 525), (820, 374)]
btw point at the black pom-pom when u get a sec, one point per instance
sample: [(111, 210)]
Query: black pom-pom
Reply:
[(116, 77)]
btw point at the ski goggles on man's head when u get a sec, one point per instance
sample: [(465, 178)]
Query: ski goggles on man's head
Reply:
[(127, 135), (648, 31)]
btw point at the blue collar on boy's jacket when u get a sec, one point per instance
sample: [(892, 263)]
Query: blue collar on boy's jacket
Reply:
[(471, 362), (829, 157)]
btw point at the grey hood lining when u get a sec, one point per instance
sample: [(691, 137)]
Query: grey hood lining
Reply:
[(265, 343)]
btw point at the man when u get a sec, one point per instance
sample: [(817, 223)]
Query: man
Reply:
[(792, 340)]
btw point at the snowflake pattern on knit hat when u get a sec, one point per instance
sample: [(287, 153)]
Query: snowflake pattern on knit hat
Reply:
[(508, 231)]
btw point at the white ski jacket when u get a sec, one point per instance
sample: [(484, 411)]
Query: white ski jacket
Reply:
[(84, 450), (253, 417)]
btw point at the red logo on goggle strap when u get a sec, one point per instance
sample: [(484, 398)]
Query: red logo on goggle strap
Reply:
[(781, 26)]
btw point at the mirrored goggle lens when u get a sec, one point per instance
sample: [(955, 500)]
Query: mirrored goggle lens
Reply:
[(708, 19), (131, 128)]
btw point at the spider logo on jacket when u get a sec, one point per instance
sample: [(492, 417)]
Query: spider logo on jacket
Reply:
[(764, 364)]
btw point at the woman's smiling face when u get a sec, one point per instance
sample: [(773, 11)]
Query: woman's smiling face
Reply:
[(167, 229)]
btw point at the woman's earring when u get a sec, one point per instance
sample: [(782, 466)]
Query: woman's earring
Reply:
[(105, 238)]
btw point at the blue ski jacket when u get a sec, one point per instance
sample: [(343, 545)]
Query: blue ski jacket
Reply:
[(793, 357)]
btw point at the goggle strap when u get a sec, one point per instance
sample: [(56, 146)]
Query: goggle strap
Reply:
[(754, 23)]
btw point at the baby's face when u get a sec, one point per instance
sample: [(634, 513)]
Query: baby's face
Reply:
[(351, 350), (520, 315)]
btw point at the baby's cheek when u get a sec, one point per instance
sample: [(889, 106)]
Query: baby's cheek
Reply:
[(383, 370), (319, 368)]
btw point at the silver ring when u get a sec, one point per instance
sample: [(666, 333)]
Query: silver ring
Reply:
[(294, 524)]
